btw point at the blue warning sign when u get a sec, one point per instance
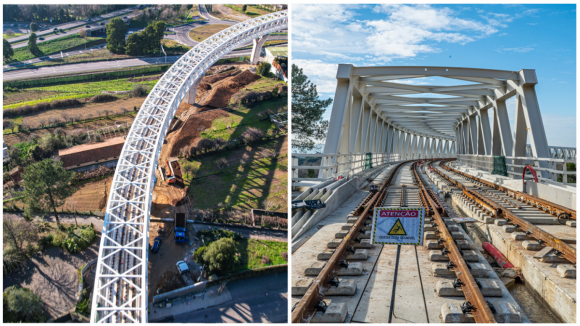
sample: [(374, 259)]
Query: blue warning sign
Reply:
[(398, 225)]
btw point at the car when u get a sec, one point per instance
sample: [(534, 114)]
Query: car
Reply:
[(88, 26), (102, 23), (41, 38), (124, 17), (89, 20), (55, 29), (14, 25), (182, 267), (156, 245)]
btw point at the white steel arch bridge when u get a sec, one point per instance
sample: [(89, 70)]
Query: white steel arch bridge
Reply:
[(120, 291), (380, 110)]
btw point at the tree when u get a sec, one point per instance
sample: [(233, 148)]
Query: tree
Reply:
[(21, 305), (9, 32), (18, 234), (244, 7), (33, 27), (83, 33), (32, 46), (134, 45), (46, 186), (116, 31), (220, 256), (264, 69), (307, 110), (8, 51)]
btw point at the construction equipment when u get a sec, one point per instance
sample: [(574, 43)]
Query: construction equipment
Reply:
[(170, 173), (181, 228)]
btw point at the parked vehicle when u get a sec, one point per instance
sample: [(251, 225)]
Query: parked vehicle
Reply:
[(183, 269), (156, 245), (102, 23), (55, 29), (181, 228), (41, 38), (88, 26)]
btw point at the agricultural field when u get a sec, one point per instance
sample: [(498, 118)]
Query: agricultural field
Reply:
[(52, 46), (199, 34)]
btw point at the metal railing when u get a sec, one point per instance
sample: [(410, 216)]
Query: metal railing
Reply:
[(554, 167)]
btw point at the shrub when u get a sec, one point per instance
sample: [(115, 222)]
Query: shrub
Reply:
[(40, 107), (221, 163), (205, 144), (103, 98), (140, 90), (251, 135), (46, 241), (220, 256), (83, 307), (264, 69), (57, 240), (21, 305)]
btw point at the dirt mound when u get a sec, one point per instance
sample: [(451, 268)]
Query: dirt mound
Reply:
[(170, 281), (192, 128), (219, 95)]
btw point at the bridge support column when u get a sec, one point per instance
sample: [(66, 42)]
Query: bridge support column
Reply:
[(438, 152), (190, 96), (472, 135), (465, 136), (485, 133), (257, 49), (414, 154)]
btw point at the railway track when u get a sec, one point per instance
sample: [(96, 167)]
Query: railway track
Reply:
[(349, 279), (539, 223)]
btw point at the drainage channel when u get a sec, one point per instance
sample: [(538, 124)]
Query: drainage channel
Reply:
[(532, 306)]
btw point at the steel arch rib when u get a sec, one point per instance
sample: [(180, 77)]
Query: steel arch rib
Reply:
[(120, 291)]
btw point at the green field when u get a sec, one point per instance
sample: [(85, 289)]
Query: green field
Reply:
[(76, 90), (241, 186), (201, 33), (52, 46), (11, 36), (251, 251)]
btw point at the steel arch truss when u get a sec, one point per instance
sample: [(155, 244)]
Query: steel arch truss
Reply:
[(377, 110), (120, 292)]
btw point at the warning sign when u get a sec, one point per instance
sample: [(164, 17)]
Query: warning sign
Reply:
[(397, 229), (398, 225)]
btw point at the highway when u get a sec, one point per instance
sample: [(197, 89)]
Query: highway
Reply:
[(94, 22)]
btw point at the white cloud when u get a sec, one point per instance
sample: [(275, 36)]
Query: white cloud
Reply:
[(406, 31), (321, 74), (523, 49)]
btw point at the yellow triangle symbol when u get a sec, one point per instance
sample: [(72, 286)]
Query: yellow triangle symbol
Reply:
[(397, 229)]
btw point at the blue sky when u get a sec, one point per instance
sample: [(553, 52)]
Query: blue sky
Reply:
[(506, 37)]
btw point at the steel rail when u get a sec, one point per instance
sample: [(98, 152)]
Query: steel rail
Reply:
[(482, 313), (567, 251), (305, 307), (552, 207), (120, 291)]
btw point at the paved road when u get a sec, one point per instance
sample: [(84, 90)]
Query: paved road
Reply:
[(100, 65), (262, 299), (94, 22)]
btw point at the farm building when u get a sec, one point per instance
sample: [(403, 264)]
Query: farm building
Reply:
[(88, 156)]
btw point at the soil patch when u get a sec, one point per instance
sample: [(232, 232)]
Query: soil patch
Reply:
[(90, 196), (220, 93), (170, 281), (191, 130)]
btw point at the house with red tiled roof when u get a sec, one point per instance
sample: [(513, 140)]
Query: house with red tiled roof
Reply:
[(86, 156)]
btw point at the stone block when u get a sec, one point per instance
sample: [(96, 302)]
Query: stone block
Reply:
[(500, 221), (532, 245), (315, 268), (341, 234), (463, 244), (301, 285), (567, 271), (506, 312), (478, 270), (432, 244), (489, 288), (345, 287), (325, 255), (347, 226), (470, 255), (521, 236), (431, 235), (354, 269), (457, 235), (437, 255), (440, 270), (571, 224), (334, 243), (335, 313), (508, 228), (359, 254), (364, 244), (429, 227)]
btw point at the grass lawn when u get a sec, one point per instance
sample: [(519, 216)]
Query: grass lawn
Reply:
[(242, 186), (251, 251), (174, 48), (201, 33), (5, 36), (251, 11), (246, 116), (52, 46)]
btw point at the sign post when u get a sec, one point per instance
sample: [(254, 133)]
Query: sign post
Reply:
[(398, 226)]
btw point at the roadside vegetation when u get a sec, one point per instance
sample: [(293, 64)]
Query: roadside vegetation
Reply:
[(201, 33), (21, 305), (227, 252), (58, 13), (50, 47)]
